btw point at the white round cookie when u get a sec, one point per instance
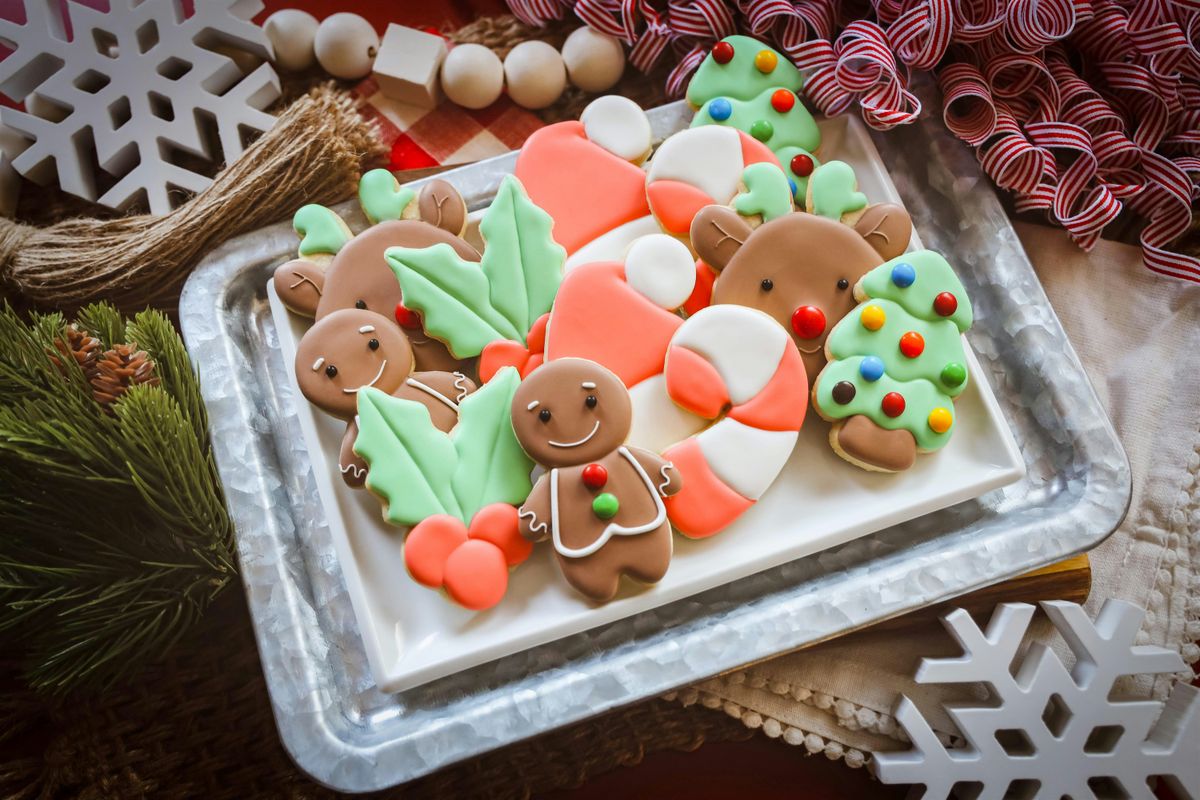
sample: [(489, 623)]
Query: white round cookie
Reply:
[(662, 269)]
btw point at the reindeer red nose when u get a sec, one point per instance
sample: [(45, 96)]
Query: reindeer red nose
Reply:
[(808, 322)]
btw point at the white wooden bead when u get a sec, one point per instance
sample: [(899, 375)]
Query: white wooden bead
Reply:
[(345, 45), (595, 61), (472, 76), (291, 32), (406, 66), (535, 74)]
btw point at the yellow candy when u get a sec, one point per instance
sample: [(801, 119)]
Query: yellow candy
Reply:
[(765, 60), (873, 318), (940, 420)]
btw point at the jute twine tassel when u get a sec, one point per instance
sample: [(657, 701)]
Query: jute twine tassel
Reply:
[(314, 154)]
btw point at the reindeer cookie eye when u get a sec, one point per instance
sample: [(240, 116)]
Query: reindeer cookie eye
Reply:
[(544, 415), (360, 303), (590, 401), (331, 371), (767, 284), (843, 284), (373, 344)]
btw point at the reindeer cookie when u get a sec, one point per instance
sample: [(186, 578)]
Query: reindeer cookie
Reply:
[(337, 270), (600, 502), (351, 349)]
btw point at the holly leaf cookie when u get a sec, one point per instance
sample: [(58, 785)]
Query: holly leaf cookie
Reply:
[(468, 305), (492, 467)]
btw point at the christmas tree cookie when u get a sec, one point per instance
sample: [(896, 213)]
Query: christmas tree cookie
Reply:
[(896, 364), (745, 84)]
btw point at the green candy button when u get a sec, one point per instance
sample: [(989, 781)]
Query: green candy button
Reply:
[(953, 374), (762, 130), (605, 506)]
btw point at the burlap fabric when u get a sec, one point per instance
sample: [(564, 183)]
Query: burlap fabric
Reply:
[(199, 723)]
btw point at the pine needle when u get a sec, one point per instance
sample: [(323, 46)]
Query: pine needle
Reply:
[(114, 536)]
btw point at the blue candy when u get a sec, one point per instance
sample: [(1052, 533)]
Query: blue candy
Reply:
[(720, 109), (903, 275), (793, 186), (871, 368)]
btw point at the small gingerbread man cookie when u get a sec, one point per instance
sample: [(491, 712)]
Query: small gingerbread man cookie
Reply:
[(600, 501), (351, 349)]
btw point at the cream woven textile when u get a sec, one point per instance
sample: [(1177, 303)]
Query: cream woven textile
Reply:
[(1138, 337)]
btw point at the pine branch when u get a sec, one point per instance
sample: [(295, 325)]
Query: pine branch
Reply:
[(113, 532)]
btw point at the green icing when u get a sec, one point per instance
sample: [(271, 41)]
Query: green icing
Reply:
[(382, 197), (740, 78), (468, 305), (785, 156), (322, 230), (920, 397), (492, 467), (833, 192), (793, 128), (943, 344), (419, 471), (411, 463), (934, 276), (767, 192)]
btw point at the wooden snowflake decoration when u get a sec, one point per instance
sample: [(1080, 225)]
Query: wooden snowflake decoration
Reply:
[(1052, 732), (136, 100)]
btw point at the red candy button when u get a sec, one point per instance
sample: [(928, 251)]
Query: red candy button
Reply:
[(893, 404), (945, 304), (802, 165), (722, 52), (912, 344), (782, 100), (808, 322), (595, 476), (406, 317)]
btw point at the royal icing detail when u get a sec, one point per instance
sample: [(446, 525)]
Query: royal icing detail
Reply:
[(382, 197), (833, 191), (661, 269), (767, 194), (323, 232), (618, 125), (467, 305)]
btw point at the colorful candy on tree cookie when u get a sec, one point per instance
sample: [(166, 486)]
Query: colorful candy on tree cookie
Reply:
[(896, 364), (798, 268), (747, 85), (458, 492), (468, 305), (337, 270), (352, 349), (600, 501)]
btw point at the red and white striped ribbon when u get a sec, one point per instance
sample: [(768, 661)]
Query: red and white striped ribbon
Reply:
[(1078, 107)]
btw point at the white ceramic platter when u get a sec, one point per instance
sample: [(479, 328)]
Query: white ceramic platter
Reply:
[(413, 635)]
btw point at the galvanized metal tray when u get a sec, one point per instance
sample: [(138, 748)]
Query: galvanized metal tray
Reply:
[(348, 735)]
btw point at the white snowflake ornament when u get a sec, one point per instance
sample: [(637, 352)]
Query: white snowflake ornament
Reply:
[(128, 105), (1052, 732)]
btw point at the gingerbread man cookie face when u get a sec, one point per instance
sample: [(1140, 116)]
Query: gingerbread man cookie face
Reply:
[(573, 413), (347, 350), (798, 268)]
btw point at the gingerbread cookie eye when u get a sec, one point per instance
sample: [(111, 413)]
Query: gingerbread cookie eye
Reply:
[(767, 284), (590, 401), (544, 415), (843, 284), (373, 344), (360, 304), (330, 371)]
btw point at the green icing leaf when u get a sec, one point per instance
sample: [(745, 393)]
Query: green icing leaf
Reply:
[(740, 78), (943, 343), (520, 257), (382, 197), (920, 398), (934, 275), (833, 193), (492, 467), (411, 463), (793, 128), (468, 305), (322, 230), (452, 296), (767, 192)]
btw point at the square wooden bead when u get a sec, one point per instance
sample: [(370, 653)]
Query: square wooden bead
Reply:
[(407, 65)]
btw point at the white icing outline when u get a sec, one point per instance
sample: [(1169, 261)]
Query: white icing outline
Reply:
[(416, 384), (367, 329), (584, 440), (612, 529), (534, 525), (358, 471), (588, 384), (533, 405), (374, 380), (317, 364), (460, 383), (662, 487)]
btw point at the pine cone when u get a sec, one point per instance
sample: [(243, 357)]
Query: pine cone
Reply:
[(81, 346), (117, 370)]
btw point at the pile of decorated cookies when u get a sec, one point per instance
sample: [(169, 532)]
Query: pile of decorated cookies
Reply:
[(628, 344)]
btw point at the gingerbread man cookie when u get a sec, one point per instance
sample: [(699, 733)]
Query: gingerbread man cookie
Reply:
[(600, 501), (337, 270), (351, 349)]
